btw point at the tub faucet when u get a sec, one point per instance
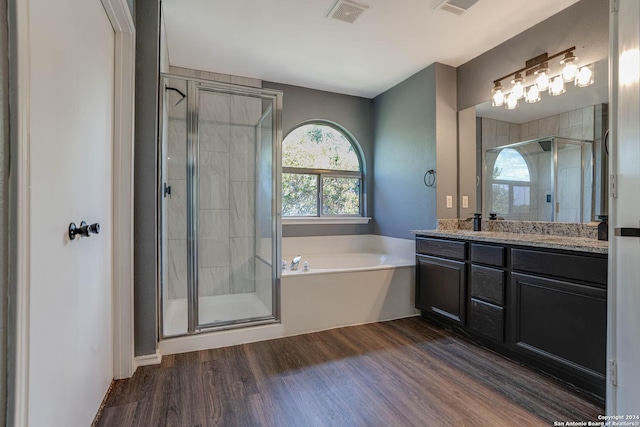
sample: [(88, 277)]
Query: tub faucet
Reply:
[(295, 262)]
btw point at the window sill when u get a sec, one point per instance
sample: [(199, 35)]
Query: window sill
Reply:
[(325, 220)]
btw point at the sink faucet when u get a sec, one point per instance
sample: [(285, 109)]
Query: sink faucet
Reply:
[(295, 262)]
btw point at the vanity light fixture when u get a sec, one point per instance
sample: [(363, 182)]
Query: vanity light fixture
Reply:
[(584, 76), (569, 67), (497, 95), (533, 94), (544, 81), (542, 78), (518, 86), (512, 101), (557, 86)]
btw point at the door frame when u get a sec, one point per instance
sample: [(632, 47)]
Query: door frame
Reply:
[(121, 20)]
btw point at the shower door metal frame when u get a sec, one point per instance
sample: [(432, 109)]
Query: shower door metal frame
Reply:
[(194, 87)]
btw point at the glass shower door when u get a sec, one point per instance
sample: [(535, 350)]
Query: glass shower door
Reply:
[(222, 213), (173, 217)]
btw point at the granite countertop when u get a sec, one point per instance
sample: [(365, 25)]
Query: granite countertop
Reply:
[(582, 244)]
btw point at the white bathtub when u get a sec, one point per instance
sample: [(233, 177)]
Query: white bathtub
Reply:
[(351, 280), (347, 261)]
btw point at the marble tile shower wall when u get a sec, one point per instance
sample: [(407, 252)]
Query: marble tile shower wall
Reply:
[(578, 124), (226, 211)]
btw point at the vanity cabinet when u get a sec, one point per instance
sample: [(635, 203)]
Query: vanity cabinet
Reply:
[(543, 307)]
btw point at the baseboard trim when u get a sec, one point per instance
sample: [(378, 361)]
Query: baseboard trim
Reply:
[(96, 419), (149, 359)]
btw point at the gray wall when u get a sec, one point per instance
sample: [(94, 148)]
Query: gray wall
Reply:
[(132, 8), (145, 169), (446, 141), (4, 203), (584, 25), (353, 113), (405, 148)]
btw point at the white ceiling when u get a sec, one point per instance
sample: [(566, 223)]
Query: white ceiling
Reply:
[(292, 41)]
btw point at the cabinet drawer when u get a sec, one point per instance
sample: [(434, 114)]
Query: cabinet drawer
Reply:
[(488, 254), (443, 248), (487, 284), (577, 267), (487, 319)]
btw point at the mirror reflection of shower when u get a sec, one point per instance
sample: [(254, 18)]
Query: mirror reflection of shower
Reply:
[(545, 179), (219, 234)]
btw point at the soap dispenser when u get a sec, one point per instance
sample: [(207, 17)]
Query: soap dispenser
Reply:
[(603, 228), (477, 222)]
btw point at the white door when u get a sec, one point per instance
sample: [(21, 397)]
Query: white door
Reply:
[(71, 55), (624, 253)]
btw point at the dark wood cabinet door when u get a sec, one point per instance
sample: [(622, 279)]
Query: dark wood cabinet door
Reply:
[(562, 322), (440, 287)]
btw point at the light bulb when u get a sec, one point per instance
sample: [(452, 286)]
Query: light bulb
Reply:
[(518, 88), (570, 67), (497, 99), (512, 101), (533, 94), (584, 76), (542, 79), (557, 86)]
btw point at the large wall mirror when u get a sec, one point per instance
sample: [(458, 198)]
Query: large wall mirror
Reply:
[(544, 161)]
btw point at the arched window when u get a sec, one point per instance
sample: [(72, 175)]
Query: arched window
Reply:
[(321, 173), (511, 186)]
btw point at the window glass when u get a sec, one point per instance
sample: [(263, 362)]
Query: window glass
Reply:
[(511, 166), (299, 194), (319, 146), (322, 175), (340, 196)]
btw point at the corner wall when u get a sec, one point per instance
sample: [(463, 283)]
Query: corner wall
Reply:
[(446, 141), (145, 175), (404, 150)]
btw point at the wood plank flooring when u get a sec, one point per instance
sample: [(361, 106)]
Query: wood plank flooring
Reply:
[(403, 372)]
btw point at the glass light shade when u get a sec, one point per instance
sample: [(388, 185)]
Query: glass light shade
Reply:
[(497, 97), (512, 101), (557, 86), (570, 67), (518, 86), (542, 79), (584, 76), (533, 94)]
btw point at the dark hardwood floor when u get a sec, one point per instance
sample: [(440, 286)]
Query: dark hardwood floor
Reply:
[(403, 372)]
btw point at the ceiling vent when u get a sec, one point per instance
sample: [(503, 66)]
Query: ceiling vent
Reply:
[(457, 7), (346, 11)]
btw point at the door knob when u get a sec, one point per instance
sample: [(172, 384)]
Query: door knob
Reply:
[(84, 230)]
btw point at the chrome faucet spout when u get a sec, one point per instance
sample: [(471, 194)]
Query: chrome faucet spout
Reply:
[(295, 262)]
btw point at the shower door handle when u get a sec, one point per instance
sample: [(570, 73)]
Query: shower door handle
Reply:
[(627, 232), (167, 190)]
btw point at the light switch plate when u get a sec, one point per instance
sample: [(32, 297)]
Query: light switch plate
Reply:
[(465, 202), (449, 201)]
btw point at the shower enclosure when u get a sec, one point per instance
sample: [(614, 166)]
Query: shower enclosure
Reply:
[(546, 179), (219, 206)]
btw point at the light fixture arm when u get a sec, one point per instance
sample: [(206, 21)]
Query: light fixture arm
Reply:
[(535, 63)]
